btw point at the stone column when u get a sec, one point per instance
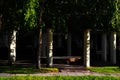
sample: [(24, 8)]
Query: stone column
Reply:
[(0, 21), (69, 45), (59, 40), (87, 48), (13, 48), (6, 40), (44, 45), (49, 48), (104, 47), (113, 47)]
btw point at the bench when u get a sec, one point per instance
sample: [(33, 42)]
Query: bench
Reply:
[(68, 59)]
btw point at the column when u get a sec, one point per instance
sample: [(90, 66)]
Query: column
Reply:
[(113, 47), (0, 21), (104, 47), (87, 48), (50, 47), (59, 37), (44, 45), (69, 45)]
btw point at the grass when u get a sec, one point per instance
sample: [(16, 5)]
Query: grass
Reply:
[(32, 69), (106, 69), (49, 70), (25, 70), (60, 78)]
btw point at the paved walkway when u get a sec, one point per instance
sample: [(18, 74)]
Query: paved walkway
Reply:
[(64, 73), (66, 70)]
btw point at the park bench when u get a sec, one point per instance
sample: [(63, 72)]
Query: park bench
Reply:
[(68, 59)]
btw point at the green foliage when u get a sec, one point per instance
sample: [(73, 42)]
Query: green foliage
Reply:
[(118, 13), (12, 15), (115, 16), (31, 13), (20, 14), (73, 15), (93, 15), (76, 15), (56, 13)]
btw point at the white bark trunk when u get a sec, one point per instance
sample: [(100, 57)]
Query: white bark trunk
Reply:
[(113, 47), (13, 47), (87, 48), (104, 47), (50, 47)]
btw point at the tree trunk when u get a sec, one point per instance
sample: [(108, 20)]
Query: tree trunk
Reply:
[(87, 48), (113, 47), (39, 50), (49, 47), (40, 36), (12, 56)]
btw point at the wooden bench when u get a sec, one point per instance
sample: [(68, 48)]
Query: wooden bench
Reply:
[(68, 59)]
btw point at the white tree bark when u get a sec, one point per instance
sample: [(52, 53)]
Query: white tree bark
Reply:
[(50, 47), (87, 48), (13, 47), (113, 48), (104, 47)]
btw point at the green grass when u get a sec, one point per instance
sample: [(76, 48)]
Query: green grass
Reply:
[(60, 78), (31, 69), (49, 70), (25, 70), (107, 69)]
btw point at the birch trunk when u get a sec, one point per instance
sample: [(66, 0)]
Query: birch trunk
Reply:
[(87, 48), (12, 56), (49, 48), (40, 37)]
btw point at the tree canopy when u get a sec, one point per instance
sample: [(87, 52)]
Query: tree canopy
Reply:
[(75, 15), (96, 14), (72, 15)]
